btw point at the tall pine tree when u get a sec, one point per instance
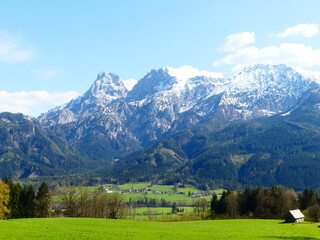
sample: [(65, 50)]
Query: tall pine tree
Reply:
[(43, 201), (214, 205), (27, 201), (14, 203)]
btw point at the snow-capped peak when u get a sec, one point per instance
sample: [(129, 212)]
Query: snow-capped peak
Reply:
[(174, 81), (266, 67), (108, 86), (260, 76)]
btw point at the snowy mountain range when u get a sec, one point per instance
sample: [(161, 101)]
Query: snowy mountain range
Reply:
[(109, 121)]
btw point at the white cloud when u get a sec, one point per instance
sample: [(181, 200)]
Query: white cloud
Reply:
[(33, 103), (306, 30), (12, 50), (238, 40), (186, 72), (297, 55)]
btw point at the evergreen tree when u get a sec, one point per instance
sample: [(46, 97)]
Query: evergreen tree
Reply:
[(23, 201), (307, 199), (174, 208), (43, 201), (27, 200), (222, 204), (14, 203), (214, 205)]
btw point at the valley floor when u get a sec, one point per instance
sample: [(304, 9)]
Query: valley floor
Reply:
[(81, 228)]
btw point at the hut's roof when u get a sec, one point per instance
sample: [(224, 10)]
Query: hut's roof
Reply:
[(296, 213)]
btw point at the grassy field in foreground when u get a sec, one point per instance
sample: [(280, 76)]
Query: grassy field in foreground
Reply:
[(68, 228)]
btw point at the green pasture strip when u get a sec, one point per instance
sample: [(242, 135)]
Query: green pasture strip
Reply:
[(187, 190), (159, 210), (156, 213), (169, 188), (163, 217), (134, 186), (148, 211), (168, 197), (81, 228)]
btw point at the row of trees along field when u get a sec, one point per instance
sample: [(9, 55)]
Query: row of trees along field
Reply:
[(80, 203), (269, 203), (23, 202)]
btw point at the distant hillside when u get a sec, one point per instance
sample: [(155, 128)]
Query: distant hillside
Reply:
[(28, 151)]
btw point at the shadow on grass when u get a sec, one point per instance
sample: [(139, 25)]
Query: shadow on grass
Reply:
[(292, 238)]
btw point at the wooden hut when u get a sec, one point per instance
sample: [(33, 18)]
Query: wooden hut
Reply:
[(294, 216)]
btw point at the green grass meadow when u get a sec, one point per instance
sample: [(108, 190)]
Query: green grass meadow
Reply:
[(71, 228)]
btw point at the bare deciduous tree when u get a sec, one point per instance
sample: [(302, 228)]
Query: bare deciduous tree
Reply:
[(100, 205)]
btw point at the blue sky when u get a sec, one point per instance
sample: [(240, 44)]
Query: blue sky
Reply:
[(50, 51)]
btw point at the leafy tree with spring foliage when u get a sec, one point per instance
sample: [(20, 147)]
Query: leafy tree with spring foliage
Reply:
[(4, 199), (314, 212)]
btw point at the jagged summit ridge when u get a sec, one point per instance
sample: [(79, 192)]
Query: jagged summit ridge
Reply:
[(264, 90), (155, 81), (265, 76), (177, 79), (105, 89)]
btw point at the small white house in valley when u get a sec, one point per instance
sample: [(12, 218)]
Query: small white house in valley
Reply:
[(294, 216)]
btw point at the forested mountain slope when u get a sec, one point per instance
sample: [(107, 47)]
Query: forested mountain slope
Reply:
[(27, 150), (282, 149)]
